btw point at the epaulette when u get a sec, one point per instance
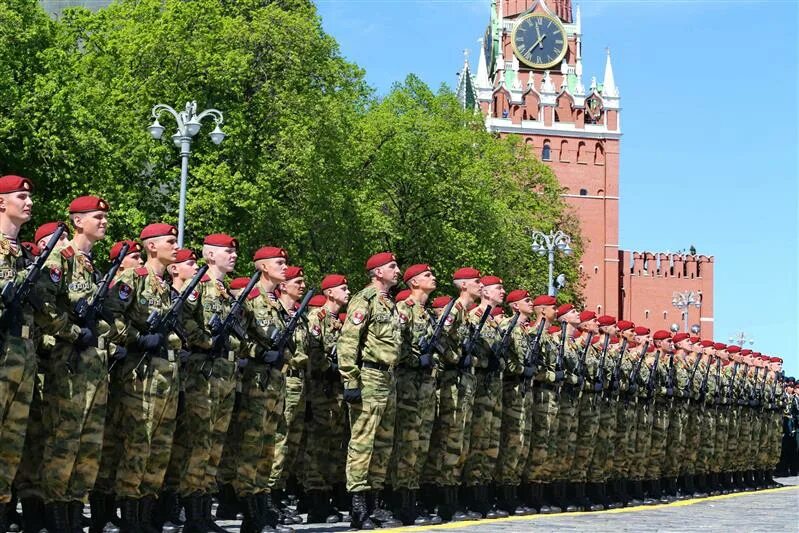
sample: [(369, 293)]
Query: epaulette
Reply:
[(368, 293), (205, 279), (458, 306), (478, 312), (141, 271), (409, 302), (67, 252), (321, 314), (255, 293)]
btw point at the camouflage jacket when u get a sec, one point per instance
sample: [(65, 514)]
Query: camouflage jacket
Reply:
[(416, 325), (488, 336), (324, 329), (211, 297)]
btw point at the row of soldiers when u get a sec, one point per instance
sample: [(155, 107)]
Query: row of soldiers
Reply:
[(789, 458), (159, 386)]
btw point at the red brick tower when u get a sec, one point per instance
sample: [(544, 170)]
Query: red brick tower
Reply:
[(529, 81)]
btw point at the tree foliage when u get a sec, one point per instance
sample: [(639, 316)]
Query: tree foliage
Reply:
[(312, 162)]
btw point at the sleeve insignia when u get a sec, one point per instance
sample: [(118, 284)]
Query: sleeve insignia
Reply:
[(55, 274), (356, 317), (316, 331), (450, 319), (194, 295), (124, 291), (403, 319)]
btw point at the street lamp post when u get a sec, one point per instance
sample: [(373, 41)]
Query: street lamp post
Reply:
[(741, 339), (546, 244), (189, 123), (684, 300)]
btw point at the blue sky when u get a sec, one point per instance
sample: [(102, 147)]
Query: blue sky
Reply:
[(709, 97)]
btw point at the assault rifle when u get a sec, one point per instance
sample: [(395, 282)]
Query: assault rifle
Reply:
[(670, 377), (615, 384), (636, 371), (599, 382), (89, 313), (731, 389), (753, 389), (471, 341), (221, 329), (703, 385), (718, 382), (689, 387), (428, 345), (14, 296), (650, 384), (533, 356), (273, 354), (500, 348), (559, 370), (580, 370)]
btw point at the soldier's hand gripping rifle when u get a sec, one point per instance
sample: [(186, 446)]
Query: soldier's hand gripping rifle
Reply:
[(429, 345), (616, 377), (599, 382), (222, 329), (500, 348), (169, 322), (532, 359), (88, 313), (273, 355), (580, 370), (14, 296), (636, 371), (560, 372), (470, 343)]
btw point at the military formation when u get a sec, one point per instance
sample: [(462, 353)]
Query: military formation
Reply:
[(160, 386)]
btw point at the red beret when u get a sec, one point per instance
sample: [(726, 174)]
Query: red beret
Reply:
[(553, 329), (133, 247), (158, 229), (624, 325), (490, 280), (516, 295), (45, 230), (650, 348), (595, 339), (333, 280), (587, 315), (606, 320), (563, 309), (402, 295), (694, 339), (679, 337), (221, 240), (413, 270), (270, 252), (661, 335), (184, 254), (14, 184), (440, 302), (706, 343), (378, 260), (756, 354), (719, 346), (86, 204), (294, 272), (32, 248), (317, 301), (237, 283), (544, 299), (641, 330), (615, 339), (746, 352), (466, 273), (776, 359), (342, 317), (733, 349), (496, 311)]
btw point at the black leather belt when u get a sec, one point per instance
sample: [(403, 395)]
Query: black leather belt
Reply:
[(376, 366)]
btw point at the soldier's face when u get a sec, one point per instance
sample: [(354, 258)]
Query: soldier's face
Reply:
[(425, 281), (225, 258), (275, 268), (572, 317), (165, 248), (340, 294), (640, 339), (494, 294), (550, 312), (591, 326), (524, 306), (44, 240), (17, 206), (388, 274), (187, 269), (131, 260), (294, 288), (92, 224), (610, 330)]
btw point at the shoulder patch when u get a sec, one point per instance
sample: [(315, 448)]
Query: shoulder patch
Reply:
[(55, 274), (403, 318), (194, 295), (67, 252), (321, 314), (356, 317), (141, 271), (124, 291), (316, 331), (409, 302), (449, 320), (255, 293)]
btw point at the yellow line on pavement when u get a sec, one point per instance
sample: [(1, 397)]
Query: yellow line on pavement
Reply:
[(680, 503)]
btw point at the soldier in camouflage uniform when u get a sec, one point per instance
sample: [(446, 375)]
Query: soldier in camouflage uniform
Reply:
[(660, 405), (733, 392), (676, 381), (642, 357), (722, 381), (517, 400), (705, 402), (478, 472), (624, 439), (688, 350), (449, 442), (288, 439), (149, 377), (325, 454), (416, 388), (76, 387)]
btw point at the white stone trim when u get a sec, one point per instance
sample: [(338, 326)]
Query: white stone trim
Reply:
[(591, 131), (589, 196), (706, 319)]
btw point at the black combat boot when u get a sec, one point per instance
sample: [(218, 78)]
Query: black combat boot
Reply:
[(194, 514), (208, 518), (270, 514), (660, 491), (567, 497), (359, 513), (379, 512), (3, 523), (228, 508), (551, 492), (75, 516), (636, 493), (33, 514), (56, 517), (167, 512), (146, 510), (253, 518), (341, 498), (13, 518), (130, 516), (650, 492), (497, 507), (456, 504)]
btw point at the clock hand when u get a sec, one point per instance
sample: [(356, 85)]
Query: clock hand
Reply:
[(539, 41)]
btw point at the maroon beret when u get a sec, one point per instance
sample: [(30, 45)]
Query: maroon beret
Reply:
[(184, 254), (270, 252), (221, 240), (158, 229), (440, 302), (641, 330), (294, 272), (466, 273), (87, 204), (378, 260), (706, 343), (733, 349), (624, 325), (776, 359), (342, 317), (516, 295), (694, 339), (553, 329), (14, 184), (679, 337), (746, 352), (490, 280), (650, 348), (317, 300), (497, 311), (606, 320), (719, 346), (333, 280), (414, 270), (402, 295), (587, 315), (133, 247), (45, 230), (544, 299), (563, 309), (32, 248), (661, 335)]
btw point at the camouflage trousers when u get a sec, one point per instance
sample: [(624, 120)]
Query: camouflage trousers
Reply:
[(451, 429), (515, 432), (148, 408), (643, 440), (288, 438), (601, 466), (624, 438), (371, 431), (73, 423), (325, 448), (660, 434), (112, 433), (708, 439), (722, 433), (17, 373), (27, 482), (263, 395), (733, 439), (226, 472), (675, 440), (209, 388), (481, 460), (416, 398), (587, 430), (540, 463), (746, 422), (693, 436), (562, 457), (770, 440)]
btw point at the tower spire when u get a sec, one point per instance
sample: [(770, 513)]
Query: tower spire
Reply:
[(609, 88), (482, 80), (466, 90)]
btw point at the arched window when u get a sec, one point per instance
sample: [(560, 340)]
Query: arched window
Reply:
[(599, 155), (665, 315), (546, 152), (646, 313), (529, 141), (583, 192), (581, 153), (564, 151)]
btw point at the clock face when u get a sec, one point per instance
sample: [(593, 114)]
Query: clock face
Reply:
[(539, 41)]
